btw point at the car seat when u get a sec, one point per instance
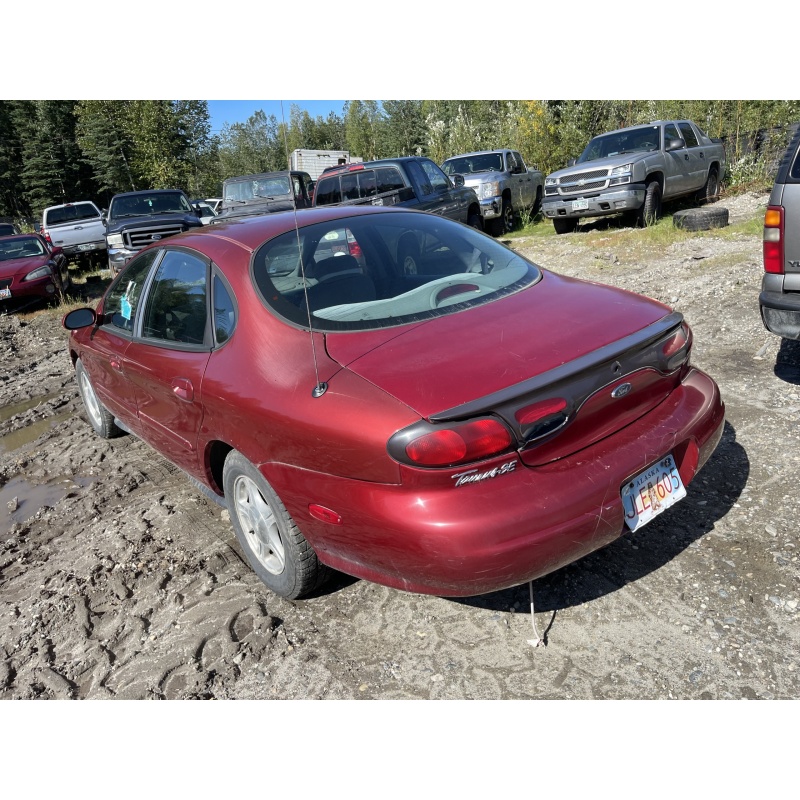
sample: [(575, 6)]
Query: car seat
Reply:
[(340, 280)]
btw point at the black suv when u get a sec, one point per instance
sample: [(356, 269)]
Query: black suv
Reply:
[(409, 181), (780, 286), (137, 219), (264, 193)]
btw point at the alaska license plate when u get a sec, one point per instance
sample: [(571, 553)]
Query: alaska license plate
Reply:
[(580, 205), (5, 294), (652, 491)]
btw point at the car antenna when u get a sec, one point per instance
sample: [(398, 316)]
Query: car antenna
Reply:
[(321, 387)]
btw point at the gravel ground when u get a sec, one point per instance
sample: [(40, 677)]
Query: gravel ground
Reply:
[(119, 580)]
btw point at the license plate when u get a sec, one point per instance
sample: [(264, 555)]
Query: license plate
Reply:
[(580, 205), (86, 247), (652, 491), (5, 294)]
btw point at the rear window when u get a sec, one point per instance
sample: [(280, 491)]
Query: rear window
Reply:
[(70, 213), (357, 185), (381, 270)]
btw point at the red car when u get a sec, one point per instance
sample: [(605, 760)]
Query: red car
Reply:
[(30, 267), (452, 422)]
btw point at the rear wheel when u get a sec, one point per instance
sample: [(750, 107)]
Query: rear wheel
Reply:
[(565, 224), (100, 418), (276, 550), (710, 192)]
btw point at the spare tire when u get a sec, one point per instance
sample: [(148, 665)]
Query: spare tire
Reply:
[(700, 219)]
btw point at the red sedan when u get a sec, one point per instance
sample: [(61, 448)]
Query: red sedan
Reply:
[(397, 396), (31, 268)]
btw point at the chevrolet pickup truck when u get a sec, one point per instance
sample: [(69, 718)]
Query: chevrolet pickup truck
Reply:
[(631, 170), (409, 181), (77, 228), (503, 183), (137, 219)]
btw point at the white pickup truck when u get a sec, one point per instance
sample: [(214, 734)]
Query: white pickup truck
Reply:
[(77, 228)]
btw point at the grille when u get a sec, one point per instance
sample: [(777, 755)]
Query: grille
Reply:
[(141, 237), (592, 180)]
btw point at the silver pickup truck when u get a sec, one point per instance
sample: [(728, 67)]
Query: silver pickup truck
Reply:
[(632, 170), (77, 228), (503, 183)]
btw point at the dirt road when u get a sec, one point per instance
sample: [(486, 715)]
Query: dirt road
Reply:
[(119, 580)]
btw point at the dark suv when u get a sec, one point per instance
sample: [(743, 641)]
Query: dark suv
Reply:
[(408, 181), (780, 286)]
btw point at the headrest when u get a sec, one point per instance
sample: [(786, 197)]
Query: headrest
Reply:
[(335, 266)]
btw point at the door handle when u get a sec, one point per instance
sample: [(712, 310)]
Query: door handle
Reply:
[(702, 155), (116, 364), (182, 387), (685, 156)]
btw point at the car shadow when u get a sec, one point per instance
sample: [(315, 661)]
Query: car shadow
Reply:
[(710, 497), (787, 362)]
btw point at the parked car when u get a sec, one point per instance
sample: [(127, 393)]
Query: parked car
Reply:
[(264, 193), (409, 181), (454, 431), (77, 228), (31, 268), (8, 229), (630, 172), (503, 182), (136, 219), (780, 286), (215, 203), (206, 212)]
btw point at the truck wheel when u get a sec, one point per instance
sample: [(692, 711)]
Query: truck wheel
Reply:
[(475, 221), (508, 216), (537, 203), (710, 192), (650, 212), (408, 254), (565, 224)]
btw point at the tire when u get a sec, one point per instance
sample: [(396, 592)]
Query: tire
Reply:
[(475, 221), (537, 203), (700, 219), (408, 259), (276, 550), (650, 212), (508, 216), (100, 418), (565, 224), (710, 192)]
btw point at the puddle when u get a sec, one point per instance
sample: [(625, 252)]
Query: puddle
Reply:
[(16, 439), (31, 497), (7, 412)]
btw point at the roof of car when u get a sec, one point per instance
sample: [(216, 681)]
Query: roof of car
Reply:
[(148, 191), (482, 153), (259, 175)]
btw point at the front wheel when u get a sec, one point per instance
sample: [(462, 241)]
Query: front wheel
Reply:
[(475, 221), (100, 418), (276, 550), (650, 212)]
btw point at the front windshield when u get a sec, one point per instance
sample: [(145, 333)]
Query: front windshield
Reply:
[(631, 140), (20, 248), (379, 270), (465, 165), (146, 205), (268, 188)]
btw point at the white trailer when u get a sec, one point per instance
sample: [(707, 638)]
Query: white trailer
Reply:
[(315, 161)]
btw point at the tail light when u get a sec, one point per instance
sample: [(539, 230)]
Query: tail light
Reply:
[(773, 240), (46, 235), (355, 250), (676, 349), (427, 445)]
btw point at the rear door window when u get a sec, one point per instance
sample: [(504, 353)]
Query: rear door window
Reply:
[(688, 134), (327, 191)]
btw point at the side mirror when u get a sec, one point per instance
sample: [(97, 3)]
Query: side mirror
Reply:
[(458, 179), (104, 217), (79, 318), (572, 162), (673, 144)]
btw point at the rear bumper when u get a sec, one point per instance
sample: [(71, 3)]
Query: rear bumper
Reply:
[(430, 536), (780, 313), (611, 202), (83, 249)]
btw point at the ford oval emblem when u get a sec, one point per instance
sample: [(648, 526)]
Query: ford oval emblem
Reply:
[(621, 390), (155, 236)]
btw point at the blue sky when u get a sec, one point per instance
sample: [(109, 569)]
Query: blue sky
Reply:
[(231, 111)]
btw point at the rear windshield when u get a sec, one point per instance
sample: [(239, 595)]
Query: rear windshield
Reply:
[(70, 213), (380, 270)]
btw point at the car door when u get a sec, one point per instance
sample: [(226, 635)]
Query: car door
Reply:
[(436, 193), (676, 164), (167, 358), (104, 356), (696, 176), (520, 181)]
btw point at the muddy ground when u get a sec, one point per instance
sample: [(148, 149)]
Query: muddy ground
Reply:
[(119, 580)]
